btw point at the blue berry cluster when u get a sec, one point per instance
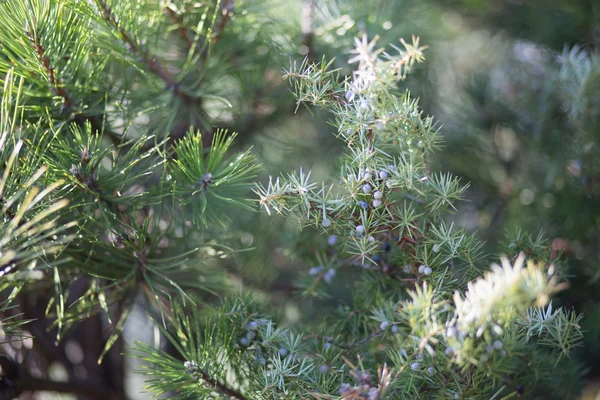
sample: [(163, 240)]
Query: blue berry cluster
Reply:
[(251, 329), (327, 276)]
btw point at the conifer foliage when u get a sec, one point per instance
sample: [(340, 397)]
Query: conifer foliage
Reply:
[(119, 189)]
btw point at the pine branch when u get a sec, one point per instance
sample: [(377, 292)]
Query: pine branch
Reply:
[(54, 82), (57, 87), (154, 64), (221, 388)]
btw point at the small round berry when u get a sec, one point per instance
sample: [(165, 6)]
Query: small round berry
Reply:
[(378, 195), (415, 366), (253, 325), (315, 270), (449, 351), (379, 125), (371, 239), (489, 349), (283, 352), (427, 271), (329, 275), (386, 247), (395, 329), (421, 144), (360, 229), (377, 203), (392, 167), (383, 174), (437, 247), (498, 344), (332, 240), (384, 325), (520, 389), (366, 188), (451, 332), (363, 204), (327, 345), (349, 95), (324, 369), (326, 222), (422, 268), (430, 370), (367, 176), (244, 341), (376, 258), (389, 184), (261, 361)]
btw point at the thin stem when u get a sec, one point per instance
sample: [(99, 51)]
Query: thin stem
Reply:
[(425, 163), (221, 388), (54, 82), (57, 88), (225, 17), (181, 28), (155, 65)]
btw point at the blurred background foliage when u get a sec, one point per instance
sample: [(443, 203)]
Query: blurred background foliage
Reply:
[(514, 84)]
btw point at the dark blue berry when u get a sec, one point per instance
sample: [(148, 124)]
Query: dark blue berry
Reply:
[(377, 258), (363, 204), (386, 247), (520, 389)]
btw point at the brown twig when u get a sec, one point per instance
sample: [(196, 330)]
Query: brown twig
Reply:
[(221, 388), (181, 28), (425, 163), (54, 82), (57, 87), (155, 65), (226, 12)]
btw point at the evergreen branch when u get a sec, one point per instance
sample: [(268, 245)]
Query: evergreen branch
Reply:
[(54, 82), (221, 388), (153, 63), (57, 87)]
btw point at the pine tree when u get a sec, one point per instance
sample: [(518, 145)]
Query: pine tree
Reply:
[(120, 189)]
